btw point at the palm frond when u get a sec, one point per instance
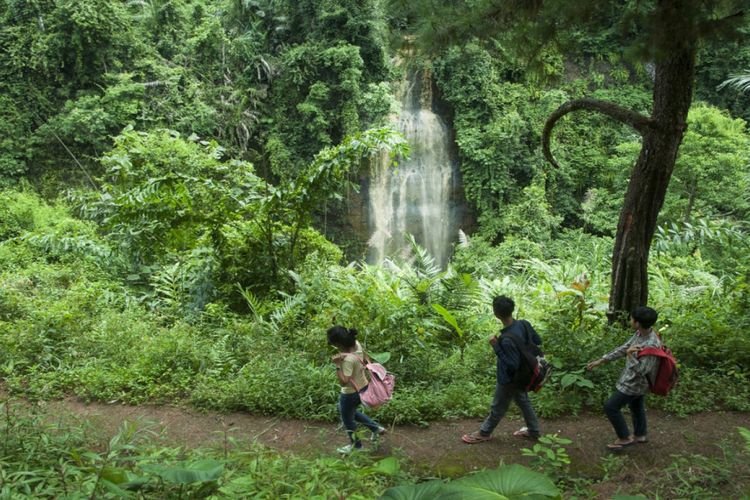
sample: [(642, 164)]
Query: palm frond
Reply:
[(221, 358), (169, 286), (286, 312), (424, 264), (253, 303), (463, 239), (740, 82), (460, 290)]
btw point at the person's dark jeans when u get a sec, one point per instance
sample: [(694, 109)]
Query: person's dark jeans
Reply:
[(500, 403), (348, 404), (637, 406)]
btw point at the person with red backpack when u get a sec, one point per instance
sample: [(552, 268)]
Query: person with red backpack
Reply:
[(515, 333), (634, 383), (350, 371)]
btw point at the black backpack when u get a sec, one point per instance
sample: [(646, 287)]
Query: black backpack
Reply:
[(534, 369)]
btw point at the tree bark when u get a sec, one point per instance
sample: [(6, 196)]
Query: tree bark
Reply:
[(662, 134), (673, 92)]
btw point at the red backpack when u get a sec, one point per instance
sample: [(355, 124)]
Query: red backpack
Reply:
[(667, 374), (535, 370)]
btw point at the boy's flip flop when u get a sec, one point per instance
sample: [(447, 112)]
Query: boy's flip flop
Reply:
[(619, 446), (524, 433), (474, 438)]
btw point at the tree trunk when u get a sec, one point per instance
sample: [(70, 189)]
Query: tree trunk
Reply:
[(673, 91), (672, 40)]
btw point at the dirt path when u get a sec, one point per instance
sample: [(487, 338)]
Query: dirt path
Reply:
[(436, 449)]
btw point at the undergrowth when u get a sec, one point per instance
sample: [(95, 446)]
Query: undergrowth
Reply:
[(45, 458), (70, 323)]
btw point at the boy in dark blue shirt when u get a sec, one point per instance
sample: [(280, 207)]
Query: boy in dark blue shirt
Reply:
[(508, 363)]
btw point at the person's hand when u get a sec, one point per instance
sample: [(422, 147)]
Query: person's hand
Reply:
[(634, 349), (594, 364), (492, 340)]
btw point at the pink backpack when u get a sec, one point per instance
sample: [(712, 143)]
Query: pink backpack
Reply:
[(380, 389)]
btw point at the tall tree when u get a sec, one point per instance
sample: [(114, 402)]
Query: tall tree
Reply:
[(663, 34)]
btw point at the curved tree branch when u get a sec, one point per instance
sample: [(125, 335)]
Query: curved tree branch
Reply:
[(639, 122)]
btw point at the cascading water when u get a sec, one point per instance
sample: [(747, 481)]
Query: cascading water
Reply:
[(414, 197)]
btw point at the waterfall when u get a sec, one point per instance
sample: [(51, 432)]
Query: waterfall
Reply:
[(414, 197)]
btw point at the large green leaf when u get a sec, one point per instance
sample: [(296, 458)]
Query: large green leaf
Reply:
[(447, 316), (505, 483), (745, 433), (116, 480), (380, 357), (195, 472), (425, 491), (114, 475), (388, 466), (114, 489)]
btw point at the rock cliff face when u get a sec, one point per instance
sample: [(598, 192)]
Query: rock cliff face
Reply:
[(421, 196)]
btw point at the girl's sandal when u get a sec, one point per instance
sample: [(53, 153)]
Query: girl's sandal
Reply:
[(474, 438)]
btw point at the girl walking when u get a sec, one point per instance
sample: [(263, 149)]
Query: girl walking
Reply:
[(351, 374)]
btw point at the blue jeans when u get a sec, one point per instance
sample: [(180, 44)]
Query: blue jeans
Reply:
[(500, 404), (348, 404), (637, 406)]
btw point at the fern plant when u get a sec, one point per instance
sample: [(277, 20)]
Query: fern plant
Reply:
[(169, 287)]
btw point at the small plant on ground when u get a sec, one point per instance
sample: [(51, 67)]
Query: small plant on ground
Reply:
[(549, 455)]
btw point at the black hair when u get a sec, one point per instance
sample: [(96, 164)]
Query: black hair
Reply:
[(503, 306), (645, 316), (342, 337)]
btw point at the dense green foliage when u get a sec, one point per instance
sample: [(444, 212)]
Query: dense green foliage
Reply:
[(274, 81), (176, 243), (170, 172), (71, 322)]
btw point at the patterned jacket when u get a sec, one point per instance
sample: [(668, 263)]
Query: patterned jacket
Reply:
[(634, 381)]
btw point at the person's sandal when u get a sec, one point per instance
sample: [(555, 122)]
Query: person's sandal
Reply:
[(620, 446), (524, 433), (474, 438), (641, 439), (375, 435)]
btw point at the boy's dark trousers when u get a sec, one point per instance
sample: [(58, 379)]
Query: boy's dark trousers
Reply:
[(500, 403), (637, 406)]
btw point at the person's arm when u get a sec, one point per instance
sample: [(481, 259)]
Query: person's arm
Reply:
[(495, 343), (618, 353), (644, 365), (535, 338), (343, 369), (343, 379)]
